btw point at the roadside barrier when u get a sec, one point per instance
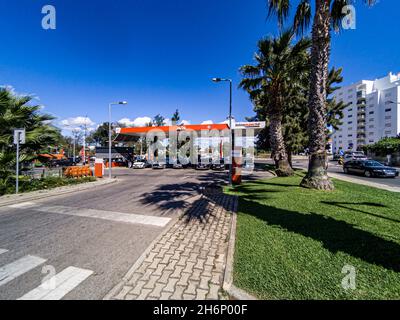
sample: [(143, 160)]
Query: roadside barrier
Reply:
[(78, 172)]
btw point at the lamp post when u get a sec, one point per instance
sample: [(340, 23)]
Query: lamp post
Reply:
[(230, 123), (109, 135)]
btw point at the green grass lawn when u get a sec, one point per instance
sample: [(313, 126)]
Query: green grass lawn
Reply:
[(292, 243)]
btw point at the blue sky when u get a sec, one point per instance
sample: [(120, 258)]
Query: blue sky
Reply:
[(160, 55)]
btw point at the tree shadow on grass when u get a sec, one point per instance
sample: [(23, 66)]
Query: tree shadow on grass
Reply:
[(335, 235), (347, 206)]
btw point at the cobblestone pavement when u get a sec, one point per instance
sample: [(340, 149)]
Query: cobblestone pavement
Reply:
[(188, 261)]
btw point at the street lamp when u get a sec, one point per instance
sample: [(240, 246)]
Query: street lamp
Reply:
[(230, 123), (109, 135)]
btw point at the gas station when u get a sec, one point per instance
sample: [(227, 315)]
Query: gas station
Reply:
[(204, 141)]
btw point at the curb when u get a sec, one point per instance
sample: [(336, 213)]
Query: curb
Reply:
[(364, 183), (41, 194), (228, 286), (228, 274), (143, 256)]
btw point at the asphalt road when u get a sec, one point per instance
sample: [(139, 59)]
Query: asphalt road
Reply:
[(334, 167), (99, 232)]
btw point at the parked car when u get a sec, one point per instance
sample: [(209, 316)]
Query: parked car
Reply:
[(369, 168), (139, 165), (354, 155), (202, 166), (218, 166), (60, 163), (177, 166), (158, 165)]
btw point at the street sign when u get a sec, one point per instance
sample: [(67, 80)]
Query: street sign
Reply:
[(19, 136)]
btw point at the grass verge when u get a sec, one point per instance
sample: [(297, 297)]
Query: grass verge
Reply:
[(295, 243)]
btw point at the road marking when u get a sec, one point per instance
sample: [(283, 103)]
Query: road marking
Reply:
[(22, 205), (58, 286), (14, 269), (106, 215), (3, 251)]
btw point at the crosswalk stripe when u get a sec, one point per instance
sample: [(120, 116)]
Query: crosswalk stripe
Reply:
[(58, 286), (105, 215), (3, 251), (21, 205), (14, 269)]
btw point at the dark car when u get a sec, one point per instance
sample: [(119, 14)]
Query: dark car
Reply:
[(202, 166), (60, 163), (369, 168), (218, 166)]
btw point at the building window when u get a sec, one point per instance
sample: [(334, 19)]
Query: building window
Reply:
[(350, 115), (371, 112), (388, 110), (388, 117), (350, 122), (350, 110), (372, 119), (349, 135), (350, 128), (371, 126), (388, 95), (371, 141), (388, 102), (371, 133), (388, 125), (388, 132), (350, 97)]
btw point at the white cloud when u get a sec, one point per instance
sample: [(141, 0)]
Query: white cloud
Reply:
[(184, 122), (207, 122), (167, 122), (126, 122), (141, 121), (76, 123)]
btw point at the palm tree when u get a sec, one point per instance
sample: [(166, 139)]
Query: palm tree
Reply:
[(328, 14), (17, 112), (272, 81)]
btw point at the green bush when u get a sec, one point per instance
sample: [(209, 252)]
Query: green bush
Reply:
[(27, 184)]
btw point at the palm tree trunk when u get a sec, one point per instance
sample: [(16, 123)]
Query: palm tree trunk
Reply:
[(317, 177), (279, 155)]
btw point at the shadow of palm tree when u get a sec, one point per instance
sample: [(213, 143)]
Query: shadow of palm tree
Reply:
[(195, 198), (348, 206), (335, 235)]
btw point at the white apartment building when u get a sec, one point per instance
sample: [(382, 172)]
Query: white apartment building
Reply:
[(373, 113)]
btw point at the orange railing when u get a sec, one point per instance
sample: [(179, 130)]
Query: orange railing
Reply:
[(78, 172)]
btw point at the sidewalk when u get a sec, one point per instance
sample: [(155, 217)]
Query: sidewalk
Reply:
[(188, 261)]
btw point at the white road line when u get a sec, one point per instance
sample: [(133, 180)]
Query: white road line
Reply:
[(22, 205), (106, 215), (58, 286), (3, 251), (14, 269)]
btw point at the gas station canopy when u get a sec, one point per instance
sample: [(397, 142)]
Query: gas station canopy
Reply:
[(125, 134)]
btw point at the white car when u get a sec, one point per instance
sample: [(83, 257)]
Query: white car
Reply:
[(355, 155), (139, 165)]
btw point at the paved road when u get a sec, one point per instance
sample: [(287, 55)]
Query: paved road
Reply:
[(338, 169), (90, 238)]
